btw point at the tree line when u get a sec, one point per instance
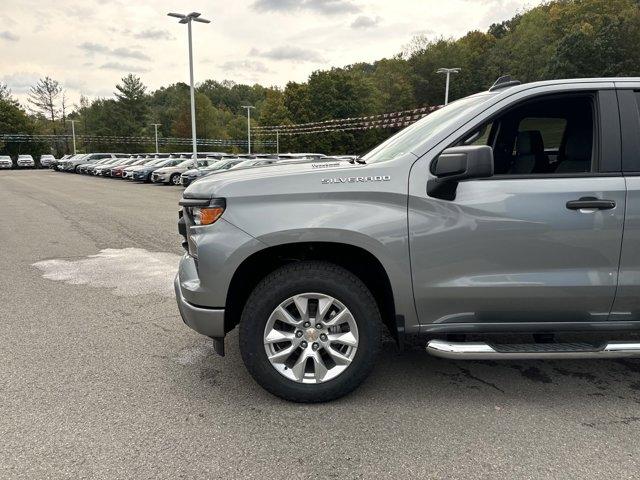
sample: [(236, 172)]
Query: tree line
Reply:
[(558, 39)]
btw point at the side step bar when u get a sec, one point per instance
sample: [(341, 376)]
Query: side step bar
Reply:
[(541, 351)]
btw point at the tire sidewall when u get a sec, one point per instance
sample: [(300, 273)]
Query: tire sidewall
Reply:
[(264, 301)]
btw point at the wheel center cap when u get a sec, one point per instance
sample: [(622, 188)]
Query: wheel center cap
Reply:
[(311, 334)]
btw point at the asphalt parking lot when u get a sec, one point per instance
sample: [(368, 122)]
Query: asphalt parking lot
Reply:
[(99, 378)]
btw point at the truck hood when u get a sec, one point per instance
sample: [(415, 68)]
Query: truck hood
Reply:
[(294, 178)]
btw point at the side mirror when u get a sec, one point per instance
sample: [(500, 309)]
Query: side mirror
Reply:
[(457, 164)]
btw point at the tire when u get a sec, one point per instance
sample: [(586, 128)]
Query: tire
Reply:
[(174, 179), (306, 279)]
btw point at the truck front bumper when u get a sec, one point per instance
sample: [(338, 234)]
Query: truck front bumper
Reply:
[(206, 321)]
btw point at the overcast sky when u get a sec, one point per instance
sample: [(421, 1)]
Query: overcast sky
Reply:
[(89, 45)]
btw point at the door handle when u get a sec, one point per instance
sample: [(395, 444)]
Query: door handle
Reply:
[(590, 203)]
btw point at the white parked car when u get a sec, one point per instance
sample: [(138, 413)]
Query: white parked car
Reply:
[(25, 161), (45, 160), (5, 161)]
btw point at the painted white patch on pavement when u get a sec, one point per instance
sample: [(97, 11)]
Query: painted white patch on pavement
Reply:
[(129, 271)]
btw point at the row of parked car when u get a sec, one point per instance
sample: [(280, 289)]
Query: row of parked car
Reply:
[(174, 168), (25, 161)]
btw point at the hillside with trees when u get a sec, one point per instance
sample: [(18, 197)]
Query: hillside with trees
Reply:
[(559, 39)]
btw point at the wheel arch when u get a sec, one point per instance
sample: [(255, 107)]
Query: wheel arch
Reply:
[(355, 259)]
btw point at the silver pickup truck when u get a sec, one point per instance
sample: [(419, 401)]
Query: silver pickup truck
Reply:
[(514, 212)]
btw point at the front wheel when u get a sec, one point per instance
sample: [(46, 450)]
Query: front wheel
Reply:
[(175, 179), (310, 332)]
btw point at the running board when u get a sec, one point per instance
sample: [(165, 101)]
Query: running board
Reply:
[(485, 351)]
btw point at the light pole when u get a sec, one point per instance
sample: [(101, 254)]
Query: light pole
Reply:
[(73, 133), (248, 107), (193, 16), (448, 71), (156, 125), (277, 142)]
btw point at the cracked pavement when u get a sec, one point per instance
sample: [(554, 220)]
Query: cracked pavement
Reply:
[(99, 385)]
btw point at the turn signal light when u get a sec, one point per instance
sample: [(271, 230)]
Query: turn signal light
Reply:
[(207, 215)]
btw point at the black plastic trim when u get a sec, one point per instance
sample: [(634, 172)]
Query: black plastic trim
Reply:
[(529, 327), (218, 345), (609, 122), (630, 130), (400, 332), (591, 203)]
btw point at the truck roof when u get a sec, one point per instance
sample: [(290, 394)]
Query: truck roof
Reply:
[(525, 86)]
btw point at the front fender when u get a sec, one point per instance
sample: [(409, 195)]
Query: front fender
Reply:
[(373, 221)]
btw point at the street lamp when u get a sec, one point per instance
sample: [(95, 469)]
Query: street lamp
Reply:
[(73, 133), (193, 16), (248, 107), (156, 125), (448, 71)]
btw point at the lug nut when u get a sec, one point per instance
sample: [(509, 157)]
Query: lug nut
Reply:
[(323, 337), (318, 326), (307, 324), (315, 346), (299, 333), (304, 344)]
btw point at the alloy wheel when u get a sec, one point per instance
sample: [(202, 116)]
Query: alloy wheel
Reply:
[(311, 338)]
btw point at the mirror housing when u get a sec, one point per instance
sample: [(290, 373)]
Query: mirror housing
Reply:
[(457, 164)]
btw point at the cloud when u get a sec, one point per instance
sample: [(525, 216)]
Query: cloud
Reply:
[(125, 52), (154, 34), (7, 35), (92, 48), (291, 53), (324, 7), (20, 82), (245, 65), (365, 22), (123, 67)]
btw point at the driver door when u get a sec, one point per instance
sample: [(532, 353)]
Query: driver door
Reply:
[(511, 248)]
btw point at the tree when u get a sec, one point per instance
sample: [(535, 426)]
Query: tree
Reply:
[(392, 79), (132, 105), (43, 96), (13, 119), (5, 93), (210, 121), (274, 111)]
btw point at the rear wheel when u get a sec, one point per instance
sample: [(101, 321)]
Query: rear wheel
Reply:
[(310, 332), (175, 179)]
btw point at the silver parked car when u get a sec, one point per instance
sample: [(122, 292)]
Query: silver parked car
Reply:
[(170, 174), (500, 213), (45, 160)]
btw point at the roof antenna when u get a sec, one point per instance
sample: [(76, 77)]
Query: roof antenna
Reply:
[(503, 82)]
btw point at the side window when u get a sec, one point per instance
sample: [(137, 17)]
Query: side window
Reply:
[(547, 136), (551, 129), (479, 136)]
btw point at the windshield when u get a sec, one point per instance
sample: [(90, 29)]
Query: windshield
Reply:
[(163, 163), (187, 163), (406, 140), (217, 165)]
